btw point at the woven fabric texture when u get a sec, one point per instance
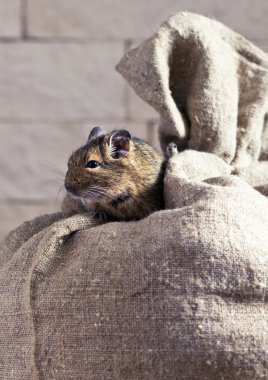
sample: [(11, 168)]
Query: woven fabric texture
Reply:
[(181, 294), (208, 83)]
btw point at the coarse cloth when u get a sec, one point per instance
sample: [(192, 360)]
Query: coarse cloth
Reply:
[(179, 295), (209, 85)]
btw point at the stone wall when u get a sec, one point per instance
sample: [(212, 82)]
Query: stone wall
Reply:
[(57, 80)]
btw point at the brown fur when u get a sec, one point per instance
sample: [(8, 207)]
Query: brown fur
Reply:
[(125, 188)]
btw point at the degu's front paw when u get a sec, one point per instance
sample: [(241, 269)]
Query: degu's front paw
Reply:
[(171, 149), (101, 216), (98, 216)]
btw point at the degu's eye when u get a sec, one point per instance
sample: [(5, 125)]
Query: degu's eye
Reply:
[(92, 164)]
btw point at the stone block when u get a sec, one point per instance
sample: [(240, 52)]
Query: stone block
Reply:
[(60, 81), (245, 17), (128, 19), (137, 108), (103, 19), (33, 157), (10, 18)]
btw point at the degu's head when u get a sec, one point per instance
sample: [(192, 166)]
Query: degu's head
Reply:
[(98, 170)]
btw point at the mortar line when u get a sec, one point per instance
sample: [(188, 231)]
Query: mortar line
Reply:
[(26, 38), (26, 201), (55, 40), (23, 19), (73, 122)]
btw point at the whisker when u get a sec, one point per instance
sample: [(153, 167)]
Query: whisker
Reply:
[(54, 169), (96, 193), (56, 180), (98, 187), (92, 191), (102, 189), (60, 189)]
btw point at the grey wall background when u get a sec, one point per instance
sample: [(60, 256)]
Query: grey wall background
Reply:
[(57, 80)]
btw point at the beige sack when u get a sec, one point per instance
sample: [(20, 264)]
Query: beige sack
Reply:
[(181, 294), (208, 83)]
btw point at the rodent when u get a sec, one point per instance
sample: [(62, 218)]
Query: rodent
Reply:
[(116, 176)]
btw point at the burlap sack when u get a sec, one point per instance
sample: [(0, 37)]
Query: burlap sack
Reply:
[(181, 294), (208, 83)]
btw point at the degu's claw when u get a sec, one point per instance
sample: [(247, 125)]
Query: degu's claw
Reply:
[(171, 149)]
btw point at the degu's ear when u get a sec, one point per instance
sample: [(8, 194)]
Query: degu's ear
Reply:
[(119, 143), (95, 133)]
